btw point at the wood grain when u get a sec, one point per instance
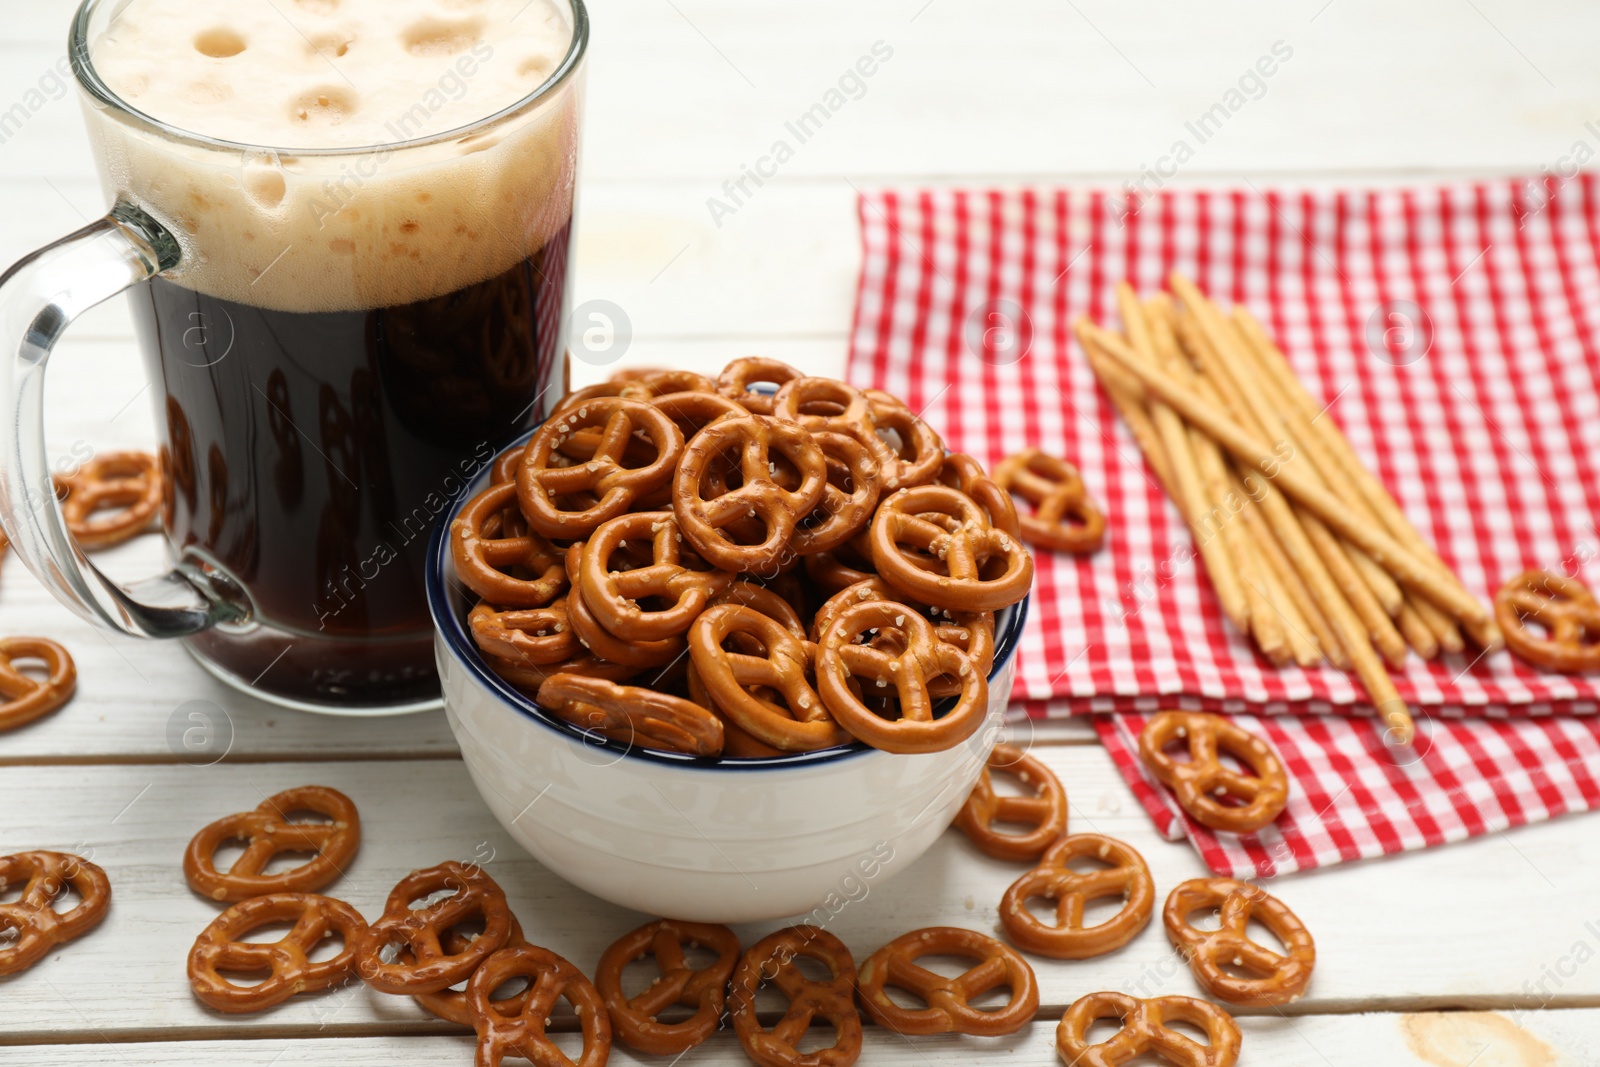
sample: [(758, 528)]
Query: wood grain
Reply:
[(682, 96), (698, 88), (1389, 933), (1395, 1040)]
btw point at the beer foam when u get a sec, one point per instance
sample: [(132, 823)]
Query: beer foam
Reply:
[(328, 73), (278, 227)]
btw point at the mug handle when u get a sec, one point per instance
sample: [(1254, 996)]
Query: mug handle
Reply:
[(40, 296)]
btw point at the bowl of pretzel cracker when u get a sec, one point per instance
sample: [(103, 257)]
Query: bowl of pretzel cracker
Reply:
[(710, 647)]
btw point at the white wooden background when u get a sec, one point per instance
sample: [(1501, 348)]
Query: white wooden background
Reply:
[(1481, 954)]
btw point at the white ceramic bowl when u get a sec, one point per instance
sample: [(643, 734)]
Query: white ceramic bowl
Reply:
[(674, 836)]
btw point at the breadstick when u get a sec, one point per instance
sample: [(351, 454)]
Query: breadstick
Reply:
[(1178, 457), (1227, 500), (1255, 453), (1230, 359), (1443, 627), (1215, 518), (1128, 397), (1213, 349), (1276, 363), (1300, 607), (1192, 499), (1270, 618), (1349, 478), (1416, 631), (1379, 624), (1370, 491), (1129, 402), (1306, 559), (1384, 591), (1368, 484), (1303, 649), (1352, 634), (1380, 687), (1268, 538), (1223, 521), (1323, 463), (1105, 350)]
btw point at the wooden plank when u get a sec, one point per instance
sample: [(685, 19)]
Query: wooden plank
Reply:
[(785, 267), (1390, 933), (1457, 1039), (703, 88), (1112, 86)]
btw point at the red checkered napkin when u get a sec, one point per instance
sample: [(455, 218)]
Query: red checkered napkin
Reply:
[(1454, 333), (1351, 797)]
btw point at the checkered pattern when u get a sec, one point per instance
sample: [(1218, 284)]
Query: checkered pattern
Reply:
[(1353, 797), (1482, 414), (1454, 333)]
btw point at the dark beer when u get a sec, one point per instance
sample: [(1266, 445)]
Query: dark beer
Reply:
[(309, 454), (372, 200)]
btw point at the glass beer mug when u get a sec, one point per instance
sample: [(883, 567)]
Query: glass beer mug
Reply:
[(340, 324)]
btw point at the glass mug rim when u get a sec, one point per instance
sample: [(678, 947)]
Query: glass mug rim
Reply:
[(90, 81)]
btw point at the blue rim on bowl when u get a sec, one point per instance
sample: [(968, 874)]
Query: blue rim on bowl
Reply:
[(449, 618)]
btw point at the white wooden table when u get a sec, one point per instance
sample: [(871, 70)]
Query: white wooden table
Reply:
[(1480, 954)]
